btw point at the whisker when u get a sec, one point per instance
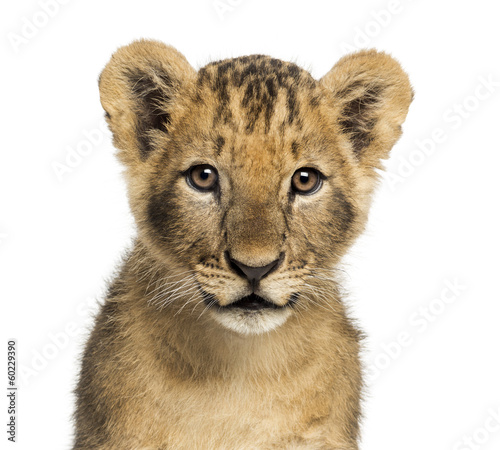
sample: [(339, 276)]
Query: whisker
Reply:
[(193, 296), (162, 283), (167, 290), (210, 304), (169, 298), (172, 298)]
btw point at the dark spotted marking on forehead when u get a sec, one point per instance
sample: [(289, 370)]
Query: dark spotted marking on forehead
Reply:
[(219, 143), (260, 80), (314, 100)]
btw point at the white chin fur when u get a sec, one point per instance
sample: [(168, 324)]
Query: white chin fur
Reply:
[(251, 322)]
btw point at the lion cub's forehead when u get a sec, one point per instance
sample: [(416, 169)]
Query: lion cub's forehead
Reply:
[(255, 88), (255, 109)]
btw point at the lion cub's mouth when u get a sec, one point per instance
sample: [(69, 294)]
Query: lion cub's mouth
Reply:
[(251, 314), (253, 302)]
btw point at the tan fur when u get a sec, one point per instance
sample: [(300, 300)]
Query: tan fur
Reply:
[(165, 370)]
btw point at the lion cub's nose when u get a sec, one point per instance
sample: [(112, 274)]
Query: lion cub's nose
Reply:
[(253, 274)]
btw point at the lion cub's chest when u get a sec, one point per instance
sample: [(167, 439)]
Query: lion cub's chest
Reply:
[(239, 415)]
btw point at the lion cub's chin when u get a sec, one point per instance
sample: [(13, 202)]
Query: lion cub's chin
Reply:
[(247, 322)]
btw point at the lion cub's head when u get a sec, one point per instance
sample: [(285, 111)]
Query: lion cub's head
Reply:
[(250, 175)]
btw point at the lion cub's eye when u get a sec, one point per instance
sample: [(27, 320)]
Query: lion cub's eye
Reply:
[(306, 181), (202, 177)]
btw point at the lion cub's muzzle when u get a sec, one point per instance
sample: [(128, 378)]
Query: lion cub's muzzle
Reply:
[(253, 274)]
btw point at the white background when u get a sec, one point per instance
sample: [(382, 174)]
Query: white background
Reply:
[(432, 355)]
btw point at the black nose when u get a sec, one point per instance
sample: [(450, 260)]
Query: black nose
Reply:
[(253, 274)]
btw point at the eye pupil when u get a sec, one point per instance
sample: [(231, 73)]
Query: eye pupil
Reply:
[(304, 177)]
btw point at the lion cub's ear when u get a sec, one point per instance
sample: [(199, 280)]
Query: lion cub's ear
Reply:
[(373, 95), (139, 87)]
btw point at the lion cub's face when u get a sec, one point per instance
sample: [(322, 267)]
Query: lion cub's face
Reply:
[(249, 175)]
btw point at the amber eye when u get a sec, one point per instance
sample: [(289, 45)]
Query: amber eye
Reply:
[(202, 177), (306, 181)]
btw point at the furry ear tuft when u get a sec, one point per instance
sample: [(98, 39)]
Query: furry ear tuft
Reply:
[(373, 95), (139, 88), (152, 91)]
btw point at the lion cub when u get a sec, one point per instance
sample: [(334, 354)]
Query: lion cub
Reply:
[(248, 180)]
